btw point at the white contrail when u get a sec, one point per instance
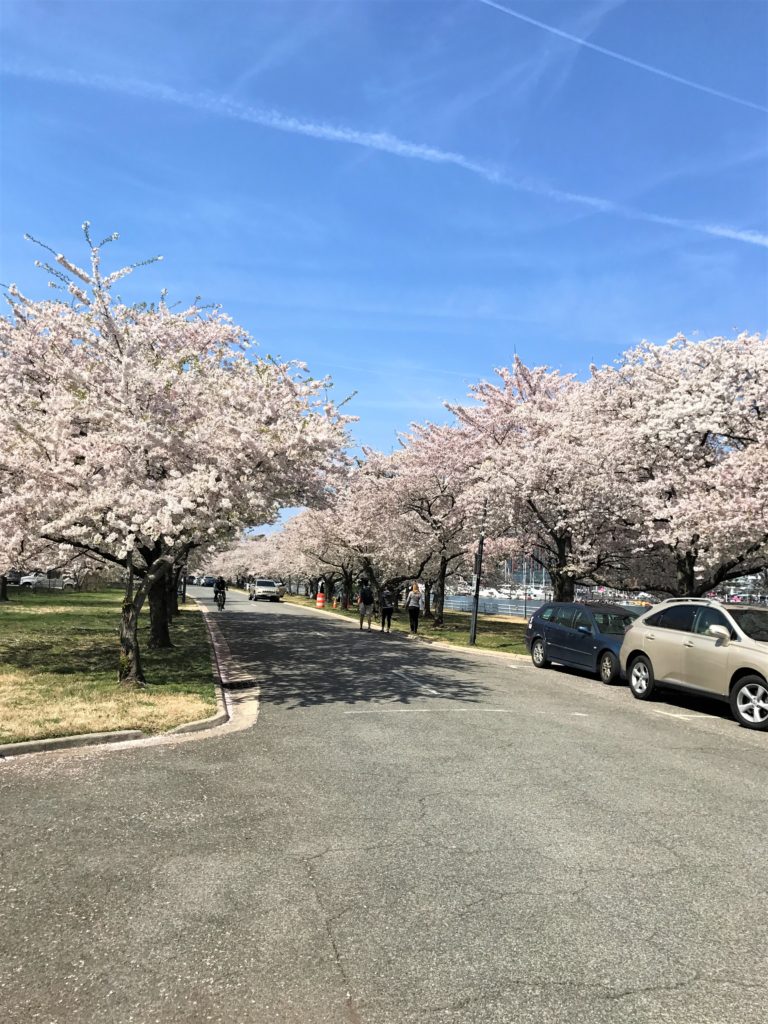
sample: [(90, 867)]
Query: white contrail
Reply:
[(384, 142), (624, 58)]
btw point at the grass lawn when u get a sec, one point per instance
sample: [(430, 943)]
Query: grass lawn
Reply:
[(493, 632), (58, 669)]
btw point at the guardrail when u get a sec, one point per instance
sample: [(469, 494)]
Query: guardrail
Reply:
[(492, 605)]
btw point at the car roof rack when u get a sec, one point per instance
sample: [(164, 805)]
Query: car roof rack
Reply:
[(689, 600)]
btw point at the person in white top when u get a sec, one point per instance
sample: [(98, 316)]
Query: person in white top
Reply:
[(414, 602)]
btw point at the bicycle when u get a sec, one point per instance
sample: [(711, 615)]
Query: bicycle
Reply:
[(220, 597)]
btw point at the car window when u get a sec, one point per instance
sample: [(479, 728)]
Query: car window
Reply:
[(754, 622), (265, 583), (679, 616), (582, 619), (653, 620), (564, 615), (710, 617), (614, 623), (547, 614)]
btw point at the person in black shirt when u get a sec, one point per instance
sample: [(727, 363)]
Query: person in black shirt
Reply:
[(387, 604), (365, 603), (220, 591)]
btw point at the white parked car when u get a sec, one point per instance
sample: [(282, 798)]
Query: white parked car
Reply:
[(265, 590), (39, 581)]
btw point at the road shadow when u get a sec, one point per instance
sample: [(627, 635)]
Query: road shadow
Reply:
[(301, 663), (681, 700)]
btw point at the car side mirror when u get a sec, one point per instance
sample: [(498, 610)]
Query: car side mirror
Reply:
[(719, 633), (585, 629)]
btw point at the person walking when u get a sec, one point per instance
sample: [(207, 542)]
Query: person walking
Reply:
[(415, 605), (365, 603), (387, 604)]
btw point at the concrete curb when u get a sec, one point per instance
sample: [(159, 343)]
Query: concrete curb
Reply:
[(91, 739), (87, 739), (221, 663)]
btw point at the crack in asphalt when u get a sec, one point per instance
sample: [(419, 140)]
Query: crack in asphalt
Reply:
[(538, 987), (350, 1009)]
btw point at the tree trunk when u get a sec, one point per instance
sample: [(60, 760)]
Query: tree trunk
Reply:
[(329, 585), (130, 672), (439, 610), (172, 592), (3, 588), (562, 587), (562, 581), (685, 574), (159, 634), (427, 600)]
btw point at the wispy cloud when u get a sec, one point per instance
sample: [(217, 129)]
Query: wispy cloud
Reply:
[(383, 142), (285, 46), (624, 58), (543, 73)]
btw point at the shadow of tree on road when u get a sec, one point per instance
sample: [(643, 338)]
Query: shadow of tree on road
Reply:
[(300, 663)]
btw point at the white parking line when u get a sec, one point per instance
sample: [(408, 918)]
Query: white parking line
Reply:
[(672, 714), (412, 682), (434, 711)]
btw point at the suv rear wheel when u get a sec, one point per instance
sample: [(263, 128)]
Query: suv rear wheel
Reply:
[(749, 702), (641, 680), (539, 654)]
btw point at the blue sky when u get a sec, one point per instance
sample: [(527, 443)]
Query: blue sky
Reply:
[(403, 195)]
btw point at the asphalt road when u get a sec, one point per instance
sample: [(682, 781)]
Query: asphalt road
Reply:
[(407, 836)]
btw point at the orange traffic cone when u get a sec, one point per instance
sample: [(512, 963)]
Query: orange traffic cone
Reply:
[(320, 603)]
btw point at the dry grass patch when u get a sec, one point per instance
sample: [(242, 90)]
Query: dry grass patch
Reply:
[(59, 670), (28, 713)]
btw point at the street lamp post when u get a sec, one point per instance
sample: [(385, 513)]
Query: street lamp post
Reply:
[(476, 581)]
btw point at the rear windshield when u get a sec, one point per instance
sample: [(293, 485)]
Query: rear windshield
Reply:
[(752, 621), (265, 583), (613, 623)]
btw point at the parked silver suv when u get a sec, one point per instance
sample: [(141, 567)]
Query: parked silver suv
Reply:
[(700, 645)]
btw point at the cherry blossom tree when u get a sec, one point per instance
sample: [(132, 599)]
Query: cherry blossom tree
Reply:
[(686, 427), (248, 557), (391, 543), (314, 545), (142, 433), (541, 475), (363, 531), (430, 478)]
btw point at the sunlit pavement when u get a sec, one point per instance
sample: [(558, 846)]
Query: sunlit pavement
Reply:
[(406, 835)]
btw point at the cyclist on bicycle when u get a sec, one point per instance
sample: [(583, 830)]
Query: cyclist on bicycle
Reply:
[(220, 591)]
